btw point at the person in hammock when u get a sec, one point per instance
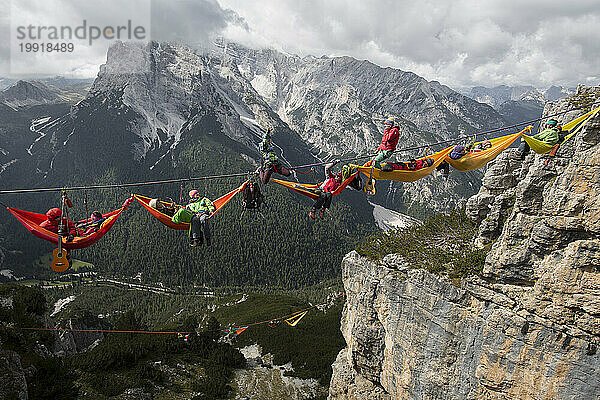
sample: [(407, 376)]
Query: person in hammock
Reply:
[(550, 136), (166, 206), (95, 221), (459, 152), (325, 192), (252, 197), (412, 165), (53, 222), (477, 147), (199, 225), (389, 141), (271, 162)]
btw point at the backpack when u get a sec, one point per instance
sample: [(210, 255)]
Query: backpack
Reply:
[(346, 172), (252, 197)]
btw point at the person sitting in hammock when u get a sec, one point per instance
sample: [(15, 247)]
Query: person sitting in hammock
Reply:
[(95, 221), (389, 141), (325, 192), (271, 162), (199, 225), (412, 165), (550, 136), (167, 206), (53, 221)]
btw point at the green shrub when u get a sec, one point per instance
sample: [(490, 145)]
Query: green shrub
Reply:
[(441, 245)]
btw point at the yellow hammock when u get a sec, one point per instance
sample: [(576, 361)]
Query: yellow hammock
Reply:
[(472, 161), (405, 175), (543, 148)]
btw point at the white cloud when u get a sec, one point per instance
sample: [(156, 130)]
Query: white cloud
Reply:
[(194, 22), (460, 43)]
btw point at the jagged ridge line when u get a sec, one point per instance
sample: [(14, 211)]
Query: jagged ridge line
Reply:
[(123, 185)]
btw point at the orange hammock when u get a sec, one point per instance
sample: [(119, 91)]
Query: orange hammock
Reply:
[(407, 175), (166, 220), (310, 190), (476, 160), (32, 222)]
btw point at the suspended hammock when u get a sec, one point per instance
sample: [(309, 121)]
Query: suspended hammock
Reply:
[(572, 127), (310, 190), (32, 222), (476, 160), (407, 175), (166, 220)]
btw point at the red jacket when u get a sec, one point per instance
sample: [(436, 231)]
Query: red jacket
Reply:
[(330, 184), (52, 226), (53, 221), (390, 138)]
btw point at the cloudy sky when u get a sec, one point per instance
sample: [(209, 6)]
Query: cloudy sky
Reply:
[(460, 43)]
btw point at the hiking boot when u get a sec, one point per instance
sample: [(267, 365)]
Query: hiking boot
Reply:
[(322, 213), (311, 214), (193, 242)]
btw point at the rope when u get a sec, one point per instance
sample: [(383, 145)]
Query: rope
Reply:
[(176, 332), (122, 185), (85, 202), (305, 173), (369, 156)]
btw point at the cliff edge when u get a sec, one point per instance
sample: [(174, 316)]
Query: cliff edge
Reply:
[(527, 327)]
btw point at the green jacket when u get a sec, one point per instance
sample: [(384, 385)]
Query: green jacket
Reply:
[(201, 205), (548, 136), (266, 150), (182, 216)]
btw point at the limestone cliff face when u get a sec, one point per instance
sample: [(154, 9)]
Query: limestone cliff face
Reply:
[(528, 328)]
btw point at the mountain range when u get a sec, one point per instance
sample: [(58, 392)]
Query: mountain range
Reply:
[(161, 110), (517, 103)]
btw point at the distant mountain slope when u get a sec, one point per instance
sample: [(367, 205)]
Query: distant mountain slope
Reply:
[(498, 95), (518, 103), (176, 118), (338, 105)]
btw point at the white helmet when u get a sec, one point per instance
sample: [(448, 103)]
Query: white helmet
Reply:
[(156, 204)]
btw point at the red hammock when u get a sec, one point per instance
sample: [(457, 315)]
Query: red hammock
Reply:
[(32, 222), (309, 190), (166, 220)]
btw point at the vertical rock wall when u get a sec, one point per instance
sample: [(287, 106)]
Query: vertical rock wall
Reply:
[(528, 328)]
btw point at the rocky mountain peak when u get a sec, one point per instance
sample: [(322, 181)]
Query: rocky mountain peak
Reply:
[(25, 93)]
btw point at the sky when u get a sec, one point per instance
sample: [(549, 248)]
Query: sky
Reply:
[(459, 43)]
